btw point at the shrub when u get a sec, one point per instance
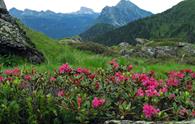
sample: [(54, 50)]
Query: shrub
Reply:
[(79, 95), (93, 47)]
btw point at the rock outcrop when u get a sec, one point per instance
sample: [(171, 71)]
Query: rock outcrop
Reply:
[(147, 122), (147, 50), (13, 40)]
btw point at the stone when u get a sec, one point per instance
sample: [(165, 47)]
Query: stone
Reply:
[(140, 41), (13, 40), (124, 44), (147, 122), (2, 5)]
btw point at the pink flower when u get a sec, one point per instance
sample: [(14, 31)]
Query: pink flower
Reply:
[(140, 92), (151, 83), (79, 70), (186, 71), (61, 93), (164, 90), (86, 71), (16, 71), (27, 77), (97, 85), (150, 111), (135, 77), (143, 78), (172, 96), (193, 113), (183, 112), (130, 67), (172, 82), (114, 64), (83, 70), (175, 74), (91, 76), (1, 79), (152, 92), (52, 79), (79, 101), (65, 68), (180, 75), (8, 72), (97, 102), (119, 77), (192, 75)]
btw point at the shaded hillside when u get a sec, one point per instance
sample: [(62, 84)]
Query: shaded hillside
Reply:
[(96, 30), (177, 22), (56, 25)]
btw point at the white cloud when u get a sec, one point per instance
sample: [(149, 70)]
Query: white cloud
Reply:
[(65, 6)]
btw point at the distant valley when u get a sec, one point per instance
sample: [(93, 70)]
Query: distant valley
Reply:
[(60, 25), (56, 25)]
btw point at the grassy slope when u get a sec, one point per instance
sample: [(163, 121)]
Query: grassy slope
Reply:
[(57, 54)]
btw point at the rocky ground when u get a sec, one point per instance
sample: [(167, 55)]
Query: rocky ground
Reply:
[(146, 122), (13, 40), (150, 49)]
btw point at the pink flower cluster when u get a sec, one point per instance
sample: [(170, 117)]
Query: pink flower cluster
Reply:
[(83, 70), (174, 78), (61, 93), (150, 85), (119, 77), (97, 102), (14, 72), (52, 79), (183, 111), (27, 77), (86, 72), (114, 64), (65, 68), (79, 102), (1, 79), (129, 68), (150, 111)]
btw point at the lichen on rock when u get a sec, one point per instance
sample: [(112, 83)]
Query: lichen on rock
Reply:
[(13, 39)]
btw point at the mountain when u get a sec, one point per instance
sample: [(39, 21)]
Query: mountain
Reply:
[(177, 22), (121, 14), (85, 10), (112, 17), (13, 39), (56, 25)]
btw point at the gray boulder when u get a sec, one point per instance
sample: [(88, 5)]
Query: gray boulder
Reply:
[(2, 5), (13, 40)]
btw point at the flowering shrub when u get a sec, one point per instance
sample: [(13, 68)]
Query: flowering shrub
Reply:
[(78, 95)]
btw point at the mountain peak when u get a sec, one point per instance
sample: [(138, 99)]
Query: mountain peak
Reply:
[(121, 14), (126, 3), (85, 10)]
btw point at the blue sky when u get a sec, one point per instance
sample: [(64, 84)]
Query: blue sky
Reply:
[(65, 6)]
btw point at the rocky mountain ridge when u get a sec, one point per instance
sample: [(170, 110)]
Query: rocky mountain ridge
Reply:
[(121, 14), (56, 25)]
